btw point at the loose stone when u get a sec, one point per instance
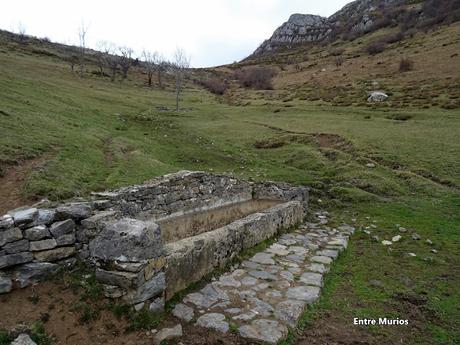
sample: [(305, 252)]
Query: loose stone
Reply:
[(268, 331), (213, 321), (183, 312)]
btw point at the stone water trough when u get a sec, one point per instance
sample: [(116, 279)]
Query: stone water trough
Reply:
[(149, 241)]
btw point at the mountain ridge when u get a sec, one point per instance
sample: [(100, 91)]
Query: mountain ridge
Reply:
[(358, 18)]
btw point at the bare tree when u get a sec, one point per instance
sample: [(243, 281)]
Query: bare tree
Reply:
[(125, 60), (161, 66), (82, 31), (150, 60), (22, 32), (109, 58), (180, 65)]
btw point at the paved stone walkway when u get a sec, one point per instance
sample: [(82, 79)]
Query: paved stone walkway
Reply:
[(266, 294)]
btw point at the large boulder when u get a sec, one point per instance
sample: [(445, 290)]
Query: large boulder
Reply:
[(128, 240)]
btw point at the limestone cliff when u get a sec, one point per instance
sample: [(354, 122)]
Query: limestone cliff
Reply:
[(355, 18)]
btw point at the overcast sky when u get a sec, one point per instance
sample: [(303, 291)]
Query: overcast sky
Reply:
[(213, 32)]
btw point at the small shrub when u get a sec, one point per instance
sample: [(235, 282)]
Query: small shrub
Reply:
[(339, 60), (406, 65), (376, 47), (337, 51), (393, 38), (259, 78), (215, 85)]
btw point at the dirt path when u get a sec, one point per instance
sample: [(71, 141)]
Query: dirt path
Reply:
[(12, 183)]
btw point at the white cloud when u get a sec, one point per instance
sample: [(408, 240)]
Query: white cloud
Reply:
[(213, 32)]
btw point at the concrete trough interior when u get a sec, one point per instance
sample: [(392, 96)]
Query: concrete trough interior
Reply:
[(191, 224)]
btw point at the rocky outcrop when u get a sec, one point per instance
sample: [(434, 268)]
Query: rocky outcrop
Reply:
[(356, 17)]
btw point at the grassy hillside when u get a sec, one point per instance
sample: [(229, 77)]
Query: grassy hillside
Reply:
[(388, 165), (343, 73)]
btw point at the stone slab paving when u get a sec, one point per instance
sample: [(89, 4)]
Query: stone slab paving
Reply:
[(267, 293)]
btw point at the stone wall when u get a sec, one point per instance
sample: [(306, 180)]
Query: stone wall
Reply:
[(117, 232), (190, 259)]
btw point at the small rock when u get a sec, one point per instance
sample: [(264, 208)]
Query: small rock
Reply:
[(249, 281), (308, 294), (5, 283), (376, 238), (213, 321), (289, 311), (428, 241), (412, 254), (434, 251), (183, 312), (158, 305), (377, 96), (6, 222), (263, 258), (37, 233), (310, 278), (321, 260), (387, 243), (139, 306), (375, 283), (23, 339), (168, 334), (401, 229), (370, 165), (267, 331), (24, 216), (396, 238), (416, 237)]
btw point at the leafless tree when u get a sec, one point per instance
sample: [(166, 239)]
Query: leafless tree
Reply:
[(150, 60), (82, 31), (22, 32), (125, 60), (161, 66), (180, 65), (109, 57)]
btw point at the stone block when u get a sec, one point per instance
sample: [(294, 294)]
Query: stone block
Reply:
[(37, 233), (62, 228), (36, 246), (16, 247), (54, 254), (75, 211), (10, 235), (128, 240), (146, 291), (34, 272), (15, 259)]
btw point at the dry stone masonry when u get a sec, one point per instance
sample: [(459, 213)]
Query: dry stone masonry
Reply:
[(119, 233), (267, 294)]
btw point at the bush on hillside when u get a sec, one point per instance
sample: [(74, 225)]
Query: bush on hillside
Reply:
[(215, 85), (259, 78), (406, 65), (393, 38), (376, 47)]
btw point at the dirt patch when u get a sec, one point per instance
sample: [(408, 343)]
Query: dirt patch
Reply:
[(12, 183), (54, 304)]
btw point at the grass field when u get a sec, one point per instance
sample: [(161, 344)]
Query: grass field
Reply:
[(92, 134)]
